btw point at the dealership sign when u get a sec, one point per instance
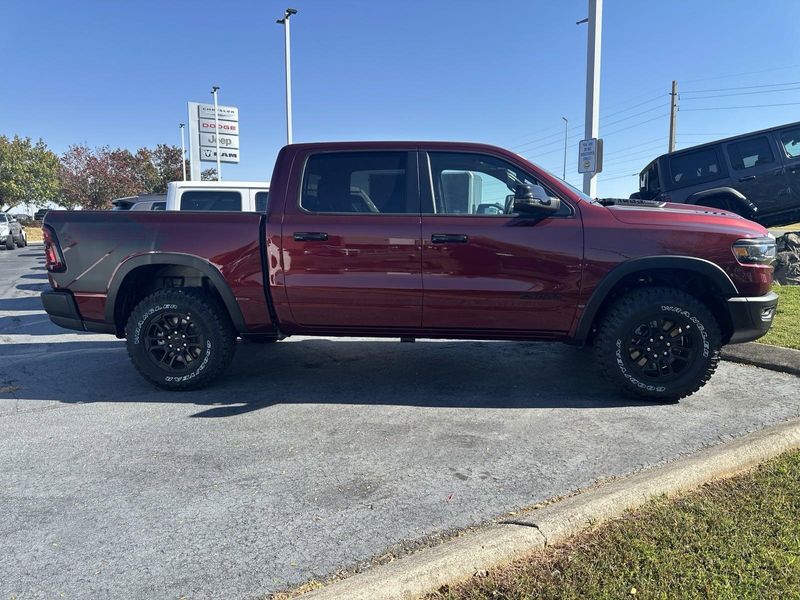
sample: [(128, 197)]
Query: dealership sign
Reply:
[(206, 131)]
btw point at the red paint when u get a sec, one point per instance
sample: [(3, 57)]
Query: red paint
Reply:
[(381, 275)]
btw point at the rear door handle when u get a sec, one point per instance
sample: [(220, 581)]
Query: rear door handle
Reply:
[(449, 238), (748, 178), (310, 236)]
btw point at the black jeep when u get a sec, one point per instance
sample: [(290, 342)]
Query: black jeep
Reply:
[(756, 175)]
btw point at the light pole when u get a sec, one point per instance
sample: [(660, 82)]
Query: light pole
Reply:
[(595, 22), (183, 152), (288, 53), (214, 91), (564, 169)]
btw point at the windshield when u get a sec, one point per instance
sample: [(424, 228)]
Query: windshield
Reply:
[(579, 193), (3, 218)]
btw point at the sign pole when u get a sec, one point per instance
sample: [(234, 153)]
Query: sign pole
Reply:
[(194, 141), (593, 85), (214, 91), (288, 54), (183, 152)]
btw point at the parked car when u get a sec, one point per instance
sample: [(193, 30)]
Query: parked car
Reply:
[(756, 175), (39, 214), (141, 202), (417, 239), (249, 196), (12, 234), (23, 219)]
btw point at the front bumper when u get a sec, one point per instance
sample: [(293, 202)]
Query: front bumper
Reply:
[(751, 317)]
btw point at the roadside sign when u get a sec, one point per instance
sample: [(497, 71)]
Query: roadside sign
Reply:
[(225, 141), (226, 113), (226, 156), (590, 156), (208, 125), (203, 135)]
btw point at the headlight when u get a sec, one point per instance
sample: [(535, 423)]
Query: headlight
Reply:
[(755, 251)]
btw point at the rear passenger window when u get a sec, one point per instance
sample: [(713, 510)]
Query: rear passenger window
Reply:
[(357, 182), (261, 201), (694, 167), (216, 200), (750, 153)]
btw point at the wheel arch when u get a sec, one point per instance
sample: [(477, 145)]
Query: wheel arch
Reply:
[(728, 193), (135, 277), (701, 277)]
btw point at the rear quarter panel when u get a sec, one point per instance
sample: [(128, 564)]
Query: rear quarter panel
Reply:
[(96, 244)]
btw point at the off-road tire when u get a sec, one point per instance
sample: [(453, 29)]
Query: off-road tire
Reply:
[(209, 320), (21, 243), (10, 245), (637, 306)]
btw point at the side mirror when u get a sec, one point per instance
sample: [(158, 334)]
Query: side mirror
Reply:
[(532, 200)]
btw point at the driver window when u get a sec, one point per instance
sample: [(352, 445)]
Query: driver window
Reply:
[(474, 184)]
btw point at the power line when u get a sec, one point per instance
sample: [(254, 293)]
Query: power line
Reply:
[(744, 87), (789, 89), (747, 106), (605, 135)]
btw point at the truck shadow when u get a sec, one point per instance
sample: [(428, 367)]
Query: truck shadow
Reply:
[(322, 371)]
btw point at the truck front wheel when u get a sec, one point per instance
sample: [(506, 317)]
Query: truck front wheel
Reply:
[(658, 343), (180, 339)]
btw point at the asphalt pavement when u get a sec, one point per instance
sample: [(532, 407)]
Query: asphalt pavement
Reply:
[(309, 456)]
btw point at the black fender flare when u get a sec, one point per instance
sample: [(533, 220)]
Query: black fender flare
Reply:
[(734, 194), (649, 263), (174, 258)]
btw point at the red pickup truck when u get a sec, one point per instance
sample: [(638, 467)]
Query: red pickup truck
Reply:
[(418, 239)]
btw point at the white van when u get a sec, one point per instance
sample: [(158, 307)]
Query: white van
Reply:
[(249, 196)]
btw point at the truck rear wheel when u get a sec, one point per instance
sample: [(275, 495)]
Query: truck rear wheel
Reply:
[(658, 344), (180, 339), (10, 242)]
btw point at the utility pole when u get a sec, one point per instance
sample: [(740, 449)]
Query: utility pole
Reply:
[(214, 91), (595, 22), (673, 116), (183, 152), (288, 54), (564, 168)]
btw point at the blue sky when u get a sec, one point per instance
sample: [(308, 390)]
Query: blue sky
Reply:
[(503, 72)]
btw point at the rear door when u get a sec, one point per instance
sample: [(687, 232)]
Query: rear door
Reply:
[(351, 240), (758, 173), (789, 140), (485, 268)]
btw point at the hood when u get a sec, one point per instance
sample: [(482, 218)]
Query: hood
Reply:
[(683, 216)]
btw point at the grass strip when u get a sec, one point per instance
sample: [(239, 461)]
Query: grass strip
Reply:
[(737, 539)]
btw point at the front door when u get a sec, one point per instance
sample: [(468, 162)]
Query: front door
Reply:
[(789, 140), (351, 241), (484, 267), (758, 173)]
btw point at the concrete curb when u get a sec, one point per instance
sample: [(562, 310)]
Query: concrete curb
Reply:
[(418, 574), (774, 358)]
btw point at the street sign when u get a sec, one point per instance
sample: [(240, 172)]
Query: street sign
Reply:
[(590, 156), (203, 135), (225, 141)]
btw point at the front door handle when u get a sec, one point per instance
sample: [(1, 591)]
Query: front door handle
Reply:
[(748, 178), (449, 238), (310, 236)]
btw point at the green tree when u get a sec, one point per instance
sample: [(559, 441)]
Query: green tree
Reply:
[(28, 173), (209, 175)]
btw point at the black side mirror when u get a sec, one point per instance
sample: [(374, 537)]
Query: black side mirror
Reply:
[(532, 200)]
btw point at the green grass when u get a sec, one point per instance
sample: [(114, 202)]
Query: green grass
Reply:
[(734, 539), (785, 330)]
